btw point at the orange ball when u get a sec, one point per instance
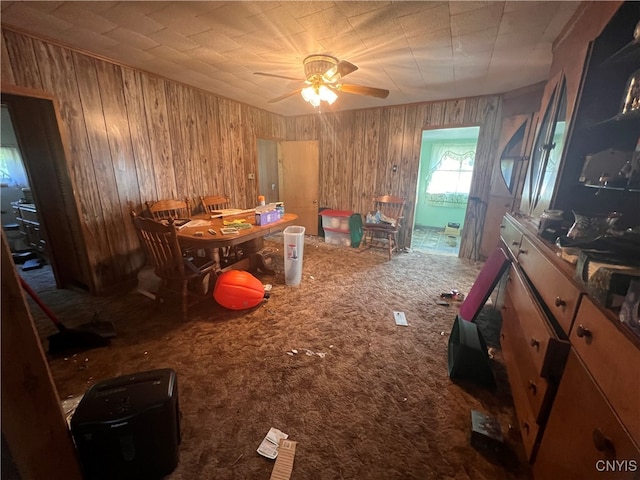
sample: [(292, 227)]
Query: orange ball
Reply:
[(238, 290)]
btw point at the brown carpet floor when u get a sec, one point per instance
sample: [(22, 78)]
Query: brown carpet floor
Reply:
[(377, 404)]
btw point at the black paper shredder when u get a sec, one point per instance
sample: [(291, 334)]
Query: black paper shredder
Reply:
[(129, 427)]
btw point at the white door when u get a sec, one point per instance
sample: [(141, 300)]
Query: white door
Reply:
[(298, 173)]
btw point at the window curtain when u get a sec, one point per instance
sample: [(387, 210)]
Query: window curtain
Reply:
[(449, 177), (11, 167)]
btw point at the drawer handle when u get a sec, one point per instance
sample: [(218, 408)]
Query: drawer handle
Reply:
[(525, 427), (515, 242), (601, 442), (503, 226), (533, 387), (583, 332), (560, 302), (534, 343), (522, 251)]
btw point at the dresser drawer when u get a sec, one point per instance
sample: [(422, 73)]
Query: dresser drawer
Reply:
[(539, 341), (510, 235), (560, 294), (583, 433), (28, 212), (535, 387), (527, 424), (613, 361)]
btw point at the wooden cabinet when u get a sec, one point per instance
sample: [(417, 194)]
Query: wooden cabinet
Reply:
[(572, 367), (584, 439), (612, 360), (599, 126), (27, 218), (545, 161), (586, 424)]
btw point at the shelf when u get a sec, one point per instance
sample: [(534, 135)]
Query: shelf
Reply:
[(621, 117), (630, 52), (604, 187)]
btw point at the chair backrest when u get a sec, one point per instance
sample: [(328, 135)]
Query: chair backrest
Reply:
[(212, 203), (163, 209), (389, 205), (160, 243)]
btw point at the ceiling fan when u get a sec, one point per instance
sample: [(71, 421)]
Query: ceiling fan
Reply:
[(323, 79)]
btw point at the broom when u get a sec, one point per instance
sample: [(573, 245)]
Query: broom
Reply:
[(84, 336)]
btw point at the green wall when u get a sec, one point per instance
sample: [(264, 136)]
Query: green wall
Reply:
[(435, 216)]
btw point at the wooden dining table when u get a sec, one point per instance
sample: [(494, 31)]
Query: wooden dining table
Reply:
[(195, 234)]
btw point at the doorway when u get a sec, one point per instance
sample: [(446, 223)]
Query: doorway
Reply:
[(38, 139), (447, 158), (288, 171)]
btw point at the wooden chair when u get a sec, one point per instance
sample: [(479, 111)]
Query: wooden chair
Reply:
[(389, 211), (164, 209), (212, 203), (178, 274)]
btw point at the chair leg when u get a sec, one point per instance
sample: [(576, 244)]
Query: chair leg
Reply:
[(185, 294), (390, 242)]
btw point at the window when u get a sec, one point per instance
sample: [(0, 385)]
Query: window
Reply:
[(449, 177), (11, 167)]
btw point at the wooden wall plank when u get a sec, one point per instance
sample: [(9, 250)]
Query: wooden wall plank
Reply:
[(23, 61), (155, 102), (108, 214), (218, 185), (59, 75), (127, 192), (6, 70), (205, 140), (139, 138)]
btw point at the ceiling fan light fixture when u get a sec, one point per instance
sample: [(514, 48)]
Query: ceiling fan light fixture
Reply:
[(327, 94), (316, 95)]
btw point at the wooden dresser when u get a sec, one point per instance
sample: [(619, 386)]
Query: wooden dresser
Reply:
[(27, 218), (574, 369)]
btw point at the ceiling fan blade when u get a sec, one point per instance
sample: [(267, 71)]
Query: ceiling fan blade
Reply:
[(278, 76), (339, 70), (345, 68), (286, 95), (361, 90)]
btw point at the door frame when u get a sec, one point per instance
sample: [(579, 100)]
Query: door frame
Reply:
[(46, 164)]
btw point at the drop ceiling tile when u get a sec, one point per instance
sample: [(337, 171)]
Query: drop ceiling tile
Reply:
[(81, 36), (477, 20), (23, 15), (433, 19), (215, 40), (326, 23), (207, 55), (201, 67), (74, 14), (373, 23), (168, 53), (279, 23), (456, 8), (417, 8), (177, 18), (133, 39), (126, 16), (130, 56), (474, 43)]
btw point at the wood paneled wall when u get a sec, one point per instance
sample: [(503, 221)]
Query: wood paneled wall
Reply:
[(132, 137), (377, 151)]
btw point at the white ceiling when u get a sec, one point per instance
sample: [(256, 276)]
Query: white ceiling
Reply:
[(419, 51)]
